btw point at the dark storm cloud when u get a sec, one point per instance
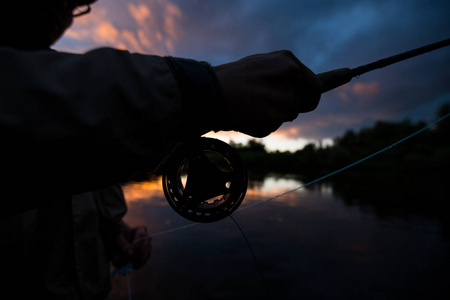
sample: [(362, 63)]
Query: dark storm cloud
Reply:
[(333, 34)]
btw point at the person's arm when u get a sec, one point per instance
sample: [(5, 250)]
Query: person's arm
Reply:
[(72, 123), (65, 117)]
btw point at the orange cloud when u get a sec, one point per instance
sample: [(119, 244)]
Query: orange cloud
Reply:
[(105, 32), (287, 132), (366, 90), (359, 89), (139, 12), (132, 42), (156, 35), (149, 27), (172, 14)]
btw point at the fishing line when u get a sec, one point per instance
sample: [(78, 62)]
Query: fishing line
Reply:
[(129, 286), (253, 255), (128, 269), (350, 165)]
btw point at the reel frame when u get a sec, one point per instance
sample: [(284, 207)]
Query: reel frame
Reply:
[(205, 180)]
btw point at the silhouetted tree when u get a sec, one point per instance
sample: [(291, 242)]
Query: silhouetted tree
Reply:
[(429, 150)]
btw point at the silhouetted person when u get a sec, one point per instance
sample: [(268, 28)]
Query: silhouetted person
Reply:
[(74, 127)]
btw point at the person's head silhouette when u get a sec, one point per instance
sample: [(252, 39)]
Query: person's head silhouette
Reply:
[(36, 24)]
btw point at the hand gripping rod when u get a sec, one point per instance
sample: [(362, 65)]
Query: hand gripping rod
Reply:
[(335, 78)]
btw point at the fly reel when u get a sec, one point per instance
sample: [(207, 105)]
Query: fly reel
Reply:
[(205, 180)]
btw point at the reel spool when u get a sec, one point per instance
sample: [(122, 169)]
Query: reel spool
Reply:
[(205, 180)]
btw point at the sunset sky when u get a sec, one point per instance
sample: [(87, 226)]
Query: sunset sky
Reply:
[(324, 35)]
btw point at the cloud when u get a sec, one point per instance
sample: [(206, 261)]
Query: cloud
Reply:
[(105, 33), (151, 27), (158, 26), (171, 16), (360, 90), (366, 90), (131, 41), (139, 12)]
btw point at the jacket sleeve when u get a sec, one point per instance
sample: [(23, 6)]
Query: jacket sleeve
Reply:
[(72, 123)]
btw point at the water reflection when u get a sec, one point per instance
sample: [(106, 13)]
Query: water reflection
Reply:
[(276, 184), (357, 236)]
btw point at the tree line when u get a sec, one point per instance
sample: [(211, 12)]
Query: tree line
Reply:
[(427, 151)]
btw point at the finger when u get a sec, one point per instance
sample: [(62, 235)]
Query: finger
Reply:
[(141, 252), (139, 261), (122, 243), (308, 87), (311, 90), (139, 232), (261, 132)]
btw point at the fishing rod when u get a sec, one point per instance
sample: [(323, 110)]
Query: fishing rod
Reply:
[(205, 180), (336, 78)]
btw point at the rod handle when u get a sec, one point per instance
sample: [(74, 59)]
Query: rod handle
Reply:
[(335, 78)]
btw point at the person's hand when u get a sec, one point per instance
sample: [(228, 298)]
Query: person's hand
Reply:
[(129, 251), (265, 90)]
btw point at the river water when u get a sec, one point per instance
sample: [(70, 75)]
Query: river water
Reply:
[(354, 236)]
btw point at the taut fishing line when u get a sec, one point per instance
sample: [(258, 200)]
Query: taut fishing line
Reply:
[(352, 164), (126, 270)]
